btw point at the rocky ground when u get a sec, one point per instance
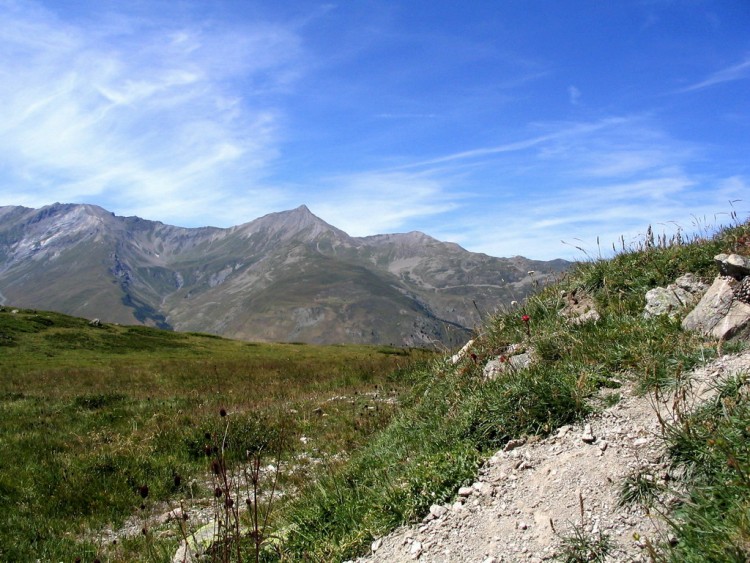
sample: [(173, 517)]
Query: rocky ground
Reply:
[(531, 495)]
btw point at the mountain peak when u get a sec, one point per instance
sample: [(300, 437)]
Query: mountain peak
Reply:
[(292, 223), (287, 276)]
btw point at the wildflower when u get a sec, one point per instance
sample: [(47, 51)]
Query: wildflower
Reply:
[(143, 490), (218, 492), (177, 480), (526, 320), (223, 412)]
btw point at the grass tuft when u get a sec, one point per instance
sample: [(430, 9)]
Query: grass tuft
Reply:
[(584, 547), (711, 450)]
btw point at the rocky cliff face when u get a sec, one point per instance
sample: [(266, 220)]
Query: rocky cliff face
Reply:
[(286, 276)]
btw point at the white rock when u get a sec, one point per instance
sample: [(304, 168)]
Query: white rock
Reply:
[(733, 265), (415, 550), (481, 488), (376, 544), (437, 510), (719, 314), (175, 514), (462, 352)]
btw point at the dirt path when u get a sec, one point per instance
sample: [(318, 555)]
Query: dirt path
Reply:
[(528, 497)]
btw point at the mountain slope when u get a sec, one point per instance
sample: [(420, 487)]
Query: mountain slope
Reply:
[(287, 276)]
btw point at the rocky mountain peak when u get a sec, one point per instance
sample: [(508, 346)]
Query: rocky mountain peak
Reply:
[(42, 232), (286, 276), (299, 223)]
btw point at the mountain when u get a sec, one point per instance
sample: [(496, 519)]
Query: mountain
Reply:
[(287, 276)]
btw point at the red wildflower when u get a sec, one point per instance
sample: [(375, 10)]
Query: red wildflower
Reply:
[(526, 320)]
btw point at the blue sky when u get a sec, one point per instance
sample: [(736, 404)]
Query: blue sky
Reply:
[(507, 126)]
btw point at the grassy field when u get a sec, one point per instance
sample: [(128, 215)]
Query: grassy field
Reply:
[(452, 420), (89, 415), (99, 421)]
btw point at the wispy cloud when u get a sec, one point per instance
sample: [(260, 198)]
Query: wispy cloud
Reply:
[(605, 180), (406, 115), (552, 133), (574, 95), (139, 114), (739, 71), (196, 120), (561, 224), (382, 202)]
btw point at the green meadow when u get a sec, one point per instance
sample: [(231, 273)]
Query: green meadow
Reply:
[(89, 415), (102, 426)]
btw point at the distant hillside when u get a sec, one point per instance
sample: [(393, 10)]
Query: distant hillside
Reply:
[(286, 276)]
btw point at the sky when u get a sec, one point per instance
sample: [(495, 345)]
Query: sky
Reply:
[(511, 127)]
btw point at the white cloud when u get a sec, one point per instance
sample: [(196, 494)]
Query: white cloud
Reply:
[(552, 227), (574, 95), (382, 202), (583, 182), (739, 71), (625, 162), (142, 115), (547, 135)]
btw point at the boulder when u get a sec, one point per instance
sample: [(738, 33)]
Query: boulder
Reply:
[(504, 363), (734, 265), (197, 544), (692, 284), (719, 313), (686, 290), (494, 368), (579, 308)]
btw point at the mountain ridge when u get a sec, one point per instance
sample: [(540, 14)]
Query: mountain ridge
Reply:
[(286, 276)]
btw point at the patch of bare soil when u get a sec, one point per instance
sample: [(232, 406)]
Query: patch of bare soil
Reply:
[(527, 498)]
